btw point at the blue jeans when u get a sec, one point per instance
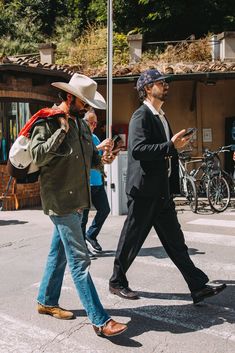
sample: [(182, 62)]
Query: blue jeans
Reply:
[(68, 245), (101, 204)]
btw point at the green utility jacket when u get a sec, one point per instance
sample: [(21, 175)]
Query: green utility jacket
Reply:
[(65, 161)]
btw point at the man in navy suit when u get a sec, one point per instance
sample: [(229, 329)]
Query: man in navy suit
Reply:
[(152, 179)]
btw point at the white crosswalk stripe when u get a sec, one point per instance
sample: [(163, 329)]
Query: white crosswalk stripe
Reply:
[(203, 263), (203, 238), (213, 222), (163, 320), (209, 238), (232, 213), (21, 337), (189, 317)]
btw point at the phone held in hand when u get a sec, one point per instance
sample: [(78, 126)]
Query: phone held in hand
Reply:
[(117, 140), (190, 131)]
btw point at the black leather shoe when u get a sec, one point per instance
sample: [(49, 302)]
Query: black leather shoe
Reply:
[(207, 291), (125, 293), (93, 244), (91, 255)]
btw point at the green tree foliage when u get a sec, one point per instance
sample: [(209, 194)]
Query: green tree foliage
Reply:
[(163, 19), (47, 11), (25, 23), (42, 13), (177, 19), (76, 15), (4, 23), (20, 29), (32, 21), (126, 14)]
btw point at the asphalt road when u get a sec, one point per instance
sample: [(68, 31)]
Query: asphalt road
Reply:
[(163, 320)]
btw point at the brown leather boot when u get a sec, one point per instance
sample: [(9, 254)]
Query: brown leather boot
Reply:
[(55, 311), (111, 328)]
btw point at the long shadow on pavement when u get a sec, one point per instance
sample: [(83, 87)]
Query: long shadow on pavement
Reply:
[(157, 252), (176, 319)]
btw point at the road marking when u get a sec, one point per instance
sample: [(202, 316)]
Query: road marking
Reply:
[(22, 337), (209, 238), (162, 260), (64, 288), (213, 222), (193, 318), (217, 266)]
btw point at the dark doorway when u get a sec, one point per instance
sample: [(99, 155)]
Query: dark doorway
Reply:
[(229, 140)]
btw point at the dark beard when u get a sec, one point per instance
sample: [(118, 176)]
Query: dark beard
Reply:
[(73, 111), (162, 97)]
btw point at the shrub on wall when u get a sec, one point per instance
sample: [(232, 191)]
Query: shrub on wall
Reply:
[(90, 50)]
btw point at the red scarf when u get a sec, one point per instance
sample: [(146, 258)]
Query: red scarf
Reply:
[(41, 114)]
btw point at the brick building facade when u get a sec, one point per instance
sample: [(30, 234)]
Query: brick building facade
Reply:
[(25, 87)]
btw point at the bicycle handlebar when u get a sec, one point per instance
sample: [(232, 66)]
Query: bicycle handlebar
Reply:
[(208, 154), (184, 151), (228, 148)]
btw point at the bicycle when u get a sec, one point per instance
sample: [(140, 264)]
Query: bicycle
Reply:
[(187, 183), (212, 182)]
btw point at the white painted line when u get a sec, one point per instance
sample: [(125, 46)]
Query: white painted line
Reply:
[(199, 262), (190, 317), (23, 337), (64, 288), (213, 222), (208, 238), (228, 213)]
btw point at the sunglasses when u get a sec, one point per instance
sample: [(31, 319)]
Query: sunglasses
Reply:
[(162, 82), (86, 106)]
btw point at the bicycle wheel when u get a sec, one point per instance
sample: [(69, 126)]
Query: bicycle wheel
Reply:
[(218, 193), (191, 193)]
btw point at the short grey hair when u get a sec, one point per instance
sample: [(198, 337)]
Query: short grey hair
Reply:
[(86, 116)]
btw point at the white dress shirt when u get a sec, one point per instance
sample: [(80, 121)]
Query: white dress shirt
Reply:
[(161, 115)]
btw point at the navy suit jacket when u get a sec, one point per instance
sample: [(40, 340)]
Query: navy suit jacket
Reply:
[(148, 153)]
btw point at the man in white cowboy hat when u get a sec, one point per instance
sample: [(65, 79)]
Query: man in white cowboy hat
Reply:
[(63, 150)]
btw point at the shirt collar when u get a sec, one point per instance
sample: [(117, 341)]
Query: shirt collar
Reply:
[(154, 110)]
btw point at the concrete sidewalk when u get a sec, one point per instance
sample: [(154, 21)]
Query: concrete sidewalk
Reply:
[(163, 320)]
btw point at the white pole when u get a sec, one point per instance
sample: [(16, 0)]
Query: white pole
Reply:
[(109, 68), (109, 91)]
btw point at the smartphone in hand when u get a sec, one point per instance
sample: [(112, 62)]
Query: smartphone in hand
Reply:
[(190, 131), (117, 142), (116, 138)]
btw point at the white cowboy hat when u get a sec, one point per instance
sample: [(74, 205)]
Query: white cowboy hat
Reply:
[(84, 88)]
